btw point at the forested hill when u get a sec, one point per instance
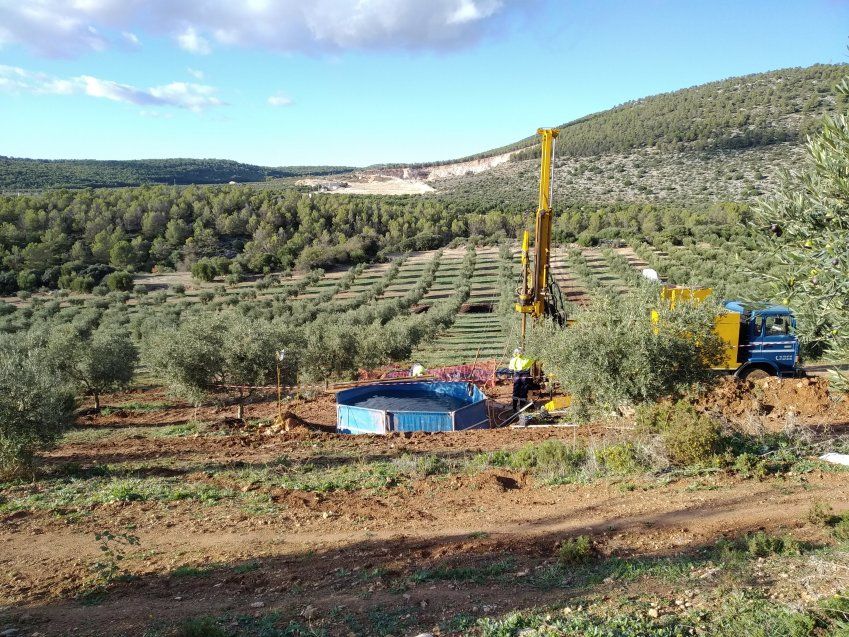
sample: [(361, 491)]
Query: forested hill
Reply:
[(739, 112), (722, 141), (36, 174)]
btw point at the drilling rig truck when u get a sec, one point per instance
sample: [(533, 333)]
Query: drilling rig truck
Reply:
[(760, 339)]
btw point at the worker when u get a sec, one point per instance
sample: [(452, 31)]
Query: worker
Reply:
[(520, 366), (417, 370)]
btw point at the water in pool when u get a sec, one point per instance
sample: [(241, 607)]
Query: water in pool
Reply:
[(389, 399)]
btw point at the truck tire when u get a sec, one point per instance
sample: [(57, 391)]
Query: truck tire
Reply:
[(755, 374)]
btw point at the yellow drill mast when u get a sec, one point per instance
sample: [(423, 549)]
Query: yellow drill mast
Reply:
[(534, 289)]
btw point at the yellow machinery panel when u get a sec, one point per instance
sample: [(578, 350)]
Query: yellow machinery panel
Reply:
[(560, 402), (727, 325), (672, 293), (728, 329)]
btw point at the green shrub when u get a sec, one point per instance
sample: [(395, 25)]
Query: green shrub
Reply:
[(551, 461), (692, 443), (200, 627), (431, 465), (840, 530), (125, 492), (619, 459), (835, 610), (577, 550), (690, 438), (762, 544), (745, 464), (821, 514), (551, 454), (119, 281), (205, 296), (205, 270)]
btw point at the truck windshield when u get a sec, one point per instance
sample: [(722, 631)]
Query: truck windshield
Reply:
[(773, 325)]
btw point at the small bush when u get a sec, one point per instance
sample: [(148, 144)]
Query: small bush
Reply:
[(745, 464), (820, 514), (840, 531), (749, 465), (551, 460), (200, 627), (125, 492), (577, 550), (619, 459), (119, 281), (690, 438), (762, 544), (431, 465)]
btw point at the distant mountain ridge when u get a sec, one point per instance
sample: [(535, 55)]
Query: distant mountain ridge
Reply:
[(34, 174), (716, 141)]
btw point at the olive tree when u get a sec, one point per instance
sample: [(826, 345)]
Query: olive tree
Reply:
[(187, 357), (228, 354), (35, 403), (805, 227), (615, 354), (95, 362), (330, 349)]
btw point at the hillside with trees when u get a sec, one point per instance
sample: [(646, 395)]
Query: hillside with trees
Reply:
[(722, 141), (36, 174)]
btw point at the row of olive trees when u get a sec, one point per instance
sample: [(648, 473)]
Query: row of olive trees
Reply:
[(229, 354), (43, 371)]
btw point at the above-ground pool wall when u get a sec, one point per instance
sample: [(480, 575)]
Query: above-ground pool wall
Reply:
[(352, 419), (359, 420), (472, 417)]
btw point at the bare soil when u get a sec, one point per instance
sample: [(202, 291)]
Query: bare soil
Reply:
[(345, 561)]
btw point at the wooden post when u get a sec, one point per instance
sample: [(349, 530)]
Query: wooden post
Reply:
[(279, 395)]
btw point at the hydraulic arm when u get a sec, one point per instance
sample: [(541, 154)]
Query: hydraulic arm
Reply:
[(535, 290)]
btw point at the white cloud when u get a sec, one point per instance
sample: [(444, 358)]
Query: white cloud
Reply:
[(278, 99), (193, 42), (198, 75), (131, 38), (194, 97), (62, 28)]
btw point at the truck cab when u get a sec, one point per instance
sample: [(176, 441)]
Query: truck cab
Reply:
[(766, 341)]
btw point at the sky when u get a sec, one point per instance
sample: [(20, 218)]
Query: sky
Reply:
[(359, 82)]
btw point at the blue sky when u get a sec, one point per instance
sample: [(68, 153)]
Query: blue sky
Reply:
[(356, 82)]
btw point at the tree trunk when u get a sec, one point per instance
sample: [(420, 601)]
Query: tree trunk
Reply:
[(96, 401)]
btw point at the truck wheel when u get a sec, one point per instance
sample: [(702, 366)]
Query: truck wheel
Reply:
[(755, 373)]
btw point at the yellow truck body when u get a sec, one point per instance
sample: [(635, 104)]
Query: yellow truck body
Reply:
[(727, 325)]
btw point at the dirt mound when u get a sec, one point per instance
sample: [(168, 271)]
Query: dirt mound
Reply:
[(495, 480), (773, 402)]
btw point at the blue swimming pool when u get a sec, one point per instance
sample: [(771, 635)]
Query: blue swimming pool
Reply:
[(382, 408)]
